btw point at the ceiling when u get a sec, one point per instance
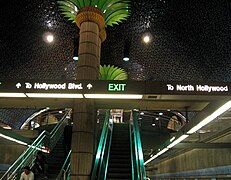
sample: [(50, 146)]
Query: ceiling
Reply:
[(190, 41)]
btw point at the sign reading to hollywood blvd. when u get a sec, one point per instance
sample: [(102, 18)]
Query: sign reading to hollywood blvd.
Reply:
[(84, 86)]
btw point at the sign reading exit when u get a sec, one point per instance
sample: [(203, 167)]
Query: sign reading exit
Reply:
[(116, 87)]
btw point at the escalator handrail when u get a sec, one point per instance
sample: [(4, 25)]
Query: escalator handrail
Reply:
[(101, 148), (131, 148), (139, 150), (25, 154), (36, 145), (65, 166), (57, 127)]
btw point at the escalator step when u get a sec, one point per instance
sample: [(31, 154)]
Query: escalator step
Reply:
[(120, 160), (124, 165), (119, 176)]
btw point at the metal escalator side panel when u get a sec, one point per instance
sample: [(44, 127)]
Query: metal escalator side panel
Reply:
[(99, 170), (138, 148)]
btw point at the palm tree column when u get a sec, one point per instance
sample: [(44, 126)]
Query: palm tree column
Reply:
[(90, 20)]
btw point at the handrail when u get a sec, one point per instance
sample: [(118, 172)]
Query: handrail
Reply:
[(139, 169), (132, 150), (99, 171), (43, 141), (65, 166)]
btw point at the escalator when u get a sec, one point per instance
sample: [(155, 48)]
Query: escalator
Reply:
[(46, 142), (119, 165), (119, 154)]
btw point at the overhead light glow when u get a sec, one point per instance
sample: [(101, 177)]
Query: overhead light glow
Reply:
[(113, 96), (52, 95), (211, 117), (177, 141), (12, 139), (155, 156), (50, 38), (146, 39), (126, 58), (76, 58), (181, 138), (12, 95)]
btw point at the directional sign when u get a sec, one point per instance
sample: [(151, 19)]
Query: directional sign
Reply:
[(115, 87), (89, 86), (18, 85)]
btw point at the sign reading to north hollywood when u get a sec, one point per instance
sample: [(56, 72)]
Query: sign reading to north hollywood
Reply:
[(197, 88)]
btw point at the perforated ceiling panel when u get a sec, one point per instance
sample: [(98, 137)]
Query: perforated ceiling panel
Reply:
[(191, 40)]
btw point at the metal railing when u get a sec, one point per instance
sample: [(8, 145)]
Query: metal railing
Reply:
[(44, 142), (65, 170), (99, 171), (137, 159)]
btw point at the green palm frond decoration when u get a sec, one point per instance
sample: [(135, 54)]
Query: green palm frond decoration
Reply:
[(112, 73), (115, 11)]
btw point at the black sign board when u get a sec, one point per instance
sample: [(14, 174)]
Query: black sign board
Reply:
[(116, 87)]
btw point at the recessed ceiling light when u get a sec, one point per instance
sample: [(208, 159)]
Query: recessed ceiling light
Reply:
[(146, 39)]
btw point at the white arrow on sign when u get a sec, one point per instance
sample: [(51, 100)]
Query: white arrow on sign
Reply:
[(89, 86), (18, 85)]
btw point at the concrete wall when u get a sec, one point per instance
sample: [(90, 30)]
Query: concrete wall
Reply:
[(196, 159), (10, 152)]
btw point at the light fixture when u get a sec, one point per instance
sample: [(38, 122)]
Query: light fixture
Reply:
[(75, 54), (141, 113), (12, 95), (12, 139), (76, 50), (177, 141), (48, 37), (160, 113), (127, 45), (113, 96), (181, 138), (211, 117), (208, 119), (155, 156), (53, 95), (147, 37)]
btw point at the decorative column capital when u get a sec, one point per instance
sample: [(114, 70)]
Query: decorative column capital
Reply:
[(92, 14)]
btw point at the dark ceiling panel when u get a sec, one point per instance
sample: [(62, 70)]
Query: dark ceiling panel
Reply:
[(190, 41)]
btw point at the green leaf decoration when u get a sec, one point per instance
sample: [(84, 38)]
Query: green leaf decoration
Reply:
[(112, 73), (115, 11)]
